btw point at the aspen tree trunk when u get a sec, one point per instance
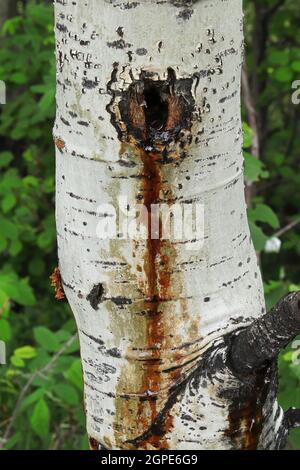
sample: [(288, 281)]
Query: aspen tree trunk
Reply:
[(148, 108)]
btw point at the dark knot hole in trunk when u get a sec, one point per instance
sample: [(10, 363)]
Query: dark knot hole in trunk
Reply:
[(156, 108), (155, 112)]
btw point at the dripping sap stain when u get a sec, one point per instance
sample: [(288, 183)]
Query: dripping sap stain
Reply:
[(152, 115)]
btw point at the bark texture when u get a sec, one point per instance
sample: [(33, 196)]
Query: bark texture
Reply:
[(148, 107)]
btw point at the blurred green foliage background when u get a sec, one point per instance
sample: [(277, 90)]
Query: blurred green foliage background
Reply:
[(41, 385)]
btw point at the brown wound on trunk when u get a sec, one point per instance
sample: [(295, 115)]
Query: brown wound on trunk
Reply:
[(149, 118)]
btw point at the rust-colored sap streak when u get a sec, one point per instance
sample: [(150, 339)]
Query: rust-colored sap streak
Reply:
[(148, 120), (155, 286), (156, 265)]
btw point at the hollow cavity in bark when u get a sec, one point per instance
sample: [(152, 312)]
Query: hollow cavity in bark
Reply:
[(154, 112)]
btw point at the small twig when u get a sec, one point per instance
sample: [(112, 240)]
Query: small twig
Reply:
[(273, 9), (253, 123), (287, 228), (3, 423), (43, 370), (251, 112)]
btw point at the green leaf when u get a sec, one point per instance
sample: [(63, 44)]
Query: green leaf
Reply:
[(74, 347), (254, 168), (8, 202), (5, 158), (296, 66), (32, 398), (40, 419), (10, 444), (5, 330), (47, 100), (17, 361), (8, 228), (30, 182), (264, 213), (283, 74), (42, 88), (84, 443), (17, 290), (15, 247), (3, 242), (248, 135), (45, 239), (258, 236), (63, 335), (19, 78), (274, 290), (74, 374), (42, 359), (46, 339), (294, 438), (63, 363), (3, 298), (67, 394), (278, 57), (25, 352), (11, 25)]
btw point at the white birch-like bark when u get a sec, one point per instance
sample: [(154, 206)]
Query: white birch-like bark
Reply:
[(146, 321)]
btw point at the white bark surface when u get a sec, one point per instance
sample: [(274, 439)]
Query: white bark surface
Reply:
[(133, 359)]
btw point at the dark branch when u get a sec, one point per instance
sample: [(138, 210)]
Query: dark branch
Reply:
[(273, 9), (292, 417), (262, 341)]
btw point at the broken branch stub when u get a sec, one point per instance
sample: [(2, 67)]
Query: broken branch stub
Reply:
[(261, 342), (292, 416)]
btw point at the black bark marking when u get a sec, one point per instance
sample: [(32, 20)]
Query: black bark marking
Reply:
[(90, 84), (61, 27), (141, 51), (120, 31), (93, 338), (118, 44), (121, 301), (95, 296), (65, 121), (185, 14)]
